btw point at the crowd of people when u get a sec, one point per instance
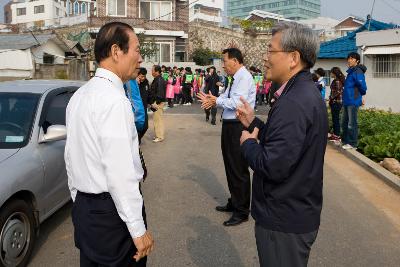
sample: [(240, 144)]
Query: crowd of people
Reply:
[(107, 117), (347, 93)]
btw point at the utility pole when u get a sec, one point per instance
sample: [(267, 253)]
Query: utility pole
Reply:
[(370, 16)]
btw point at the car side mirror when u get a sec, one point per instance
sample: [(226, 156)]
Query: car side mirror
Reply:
[(54, 133)]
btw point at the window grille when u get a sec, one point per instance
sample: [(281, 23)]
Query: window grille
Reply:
[(386, 66)]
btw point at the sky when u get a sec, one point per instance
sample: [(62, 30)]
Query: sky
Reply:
[(384, 10)]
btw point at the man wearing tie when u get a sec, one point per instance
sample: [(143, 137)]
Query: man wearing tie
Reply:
[(236, 168), (102, 158)]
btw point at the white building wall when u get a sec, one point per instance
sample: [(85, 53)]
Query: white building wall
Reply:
[(50, 48), (218, 4), (16, 63), (48, 16), (382, 93), (212, 3)]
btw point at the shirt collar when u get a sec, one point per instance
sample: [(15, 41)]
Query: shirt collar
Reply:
[(238, 73), (280, 90), (111, 76)]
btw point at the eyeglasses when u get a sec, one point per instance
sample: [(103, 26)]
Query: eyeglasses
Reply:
[(277, 51)]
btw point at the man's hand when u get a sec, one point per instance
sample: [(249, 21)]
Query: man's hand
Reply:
[(207, 100), (363, 100), (246, 135), (144, 246), (245, 113), (154, 107)]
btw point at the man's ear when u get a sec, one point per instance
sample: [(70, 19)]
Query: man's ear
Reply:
[(296, 59), (115, 52)]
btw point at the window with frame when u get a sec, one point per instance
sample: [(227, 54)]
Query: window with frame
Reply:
[(76, 8), (38, 9), (21, 11), (83, 8), (48, 59), (116, 7), (163, 53), (156, 10), (386, 66)]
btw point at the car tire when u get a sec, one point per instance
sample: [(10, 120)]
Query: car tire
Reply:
[(17, 233)]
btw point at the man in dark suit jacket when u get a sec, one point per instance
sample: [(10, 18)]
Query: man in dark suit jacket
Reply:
[(212, 85), (289, 157)]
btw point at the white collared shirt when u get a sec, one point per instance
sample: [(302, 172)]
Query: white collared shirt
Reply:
[(243, 85), (102, 148)]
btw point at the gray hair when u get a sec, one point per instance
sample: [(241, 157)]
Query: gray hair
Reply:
[(298, 37)]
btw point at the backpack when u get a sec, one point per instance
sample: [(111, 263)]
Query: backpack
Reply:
[(133, 94)]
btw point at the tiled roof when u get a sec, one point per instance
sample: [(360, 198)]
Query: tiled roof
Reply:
[(23, 41), (341, 47)]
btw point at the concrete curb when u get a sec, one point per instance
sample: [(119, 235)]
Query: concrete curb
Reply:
[(371, 166)]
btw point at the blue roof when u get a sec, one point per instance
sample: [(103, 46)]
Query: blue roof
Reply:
[(341, 47)]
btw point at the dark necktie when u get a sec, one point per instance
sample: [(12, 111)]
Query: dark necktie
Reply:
[(230, 87)]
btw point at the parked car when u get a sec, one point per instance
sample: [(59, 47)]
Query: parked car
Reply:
[(33, 179)]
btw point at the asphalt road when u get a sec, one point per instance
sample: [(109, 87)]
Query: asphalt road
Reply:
[(360, 219)]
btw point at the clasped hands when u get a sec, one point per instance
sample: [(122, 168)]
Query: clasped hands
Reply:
[(207, 100), (244, 113)]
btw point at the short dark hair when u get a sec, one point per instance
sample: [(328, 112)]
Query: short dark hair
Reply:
[(110, 34), (157, 68), (320, 72), (142, 71), (234, 53), (354, 55)]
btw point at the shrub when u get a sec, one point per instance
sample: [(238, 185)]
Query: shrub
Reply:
[(203, 56), (379, 134)]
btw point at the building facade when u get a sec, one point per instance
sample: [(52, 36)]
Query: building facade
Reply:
[(290, 9), (209, 11), (380, 53), (166, 22), (49, 13)]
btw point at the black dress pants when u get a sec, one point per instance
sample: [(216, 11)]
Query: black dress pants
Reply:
[(186, 93), (101, 236), (213, 112), (279, 249), (236, 168)]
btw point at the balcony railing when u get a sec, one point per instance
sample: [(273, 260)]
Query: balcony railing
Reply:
[(141, 23)]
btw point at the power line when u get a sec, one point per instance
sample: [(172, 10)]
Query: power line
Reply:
[(397, 10)]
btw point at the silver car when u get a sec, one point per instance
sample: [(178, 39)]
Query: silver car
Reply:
[(33, 179)]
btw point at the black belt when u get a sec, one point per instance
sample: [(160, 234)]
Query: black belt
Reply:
[(230, 121), (104, 195)]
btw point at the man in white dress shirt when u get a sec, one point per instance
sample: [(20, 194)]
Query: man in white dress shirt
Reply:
[(102, 158), (236, 167)]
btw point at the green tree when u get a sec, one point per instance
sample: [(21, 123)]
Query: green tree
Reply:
[(253, 27), (148, 47), (203, 56)]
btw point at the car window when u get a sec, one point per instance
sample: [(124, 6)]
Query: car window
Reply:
[(17, 111), (55, 112)]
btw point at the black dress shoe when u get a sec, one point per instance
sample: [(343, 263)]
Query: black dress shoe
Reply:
[(226, 208), (235, 221)]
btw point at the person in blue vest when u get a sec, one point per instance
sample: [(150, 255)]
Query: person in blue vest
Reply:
[(354, 89), (133, 93)]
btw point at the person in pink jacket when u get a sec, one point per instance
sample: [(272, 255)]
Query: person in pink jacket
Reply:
[(177, 86), (170, 92)]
